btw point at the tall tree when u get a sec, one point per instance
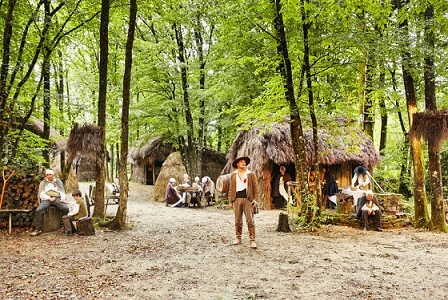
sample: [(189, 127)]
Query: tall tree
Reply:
[(420, 200), (102, 98), (119, 221), (438, 221), (297, 136)]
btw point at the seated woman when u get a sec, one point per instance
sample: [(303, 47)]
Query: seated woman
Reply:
[(171, 194)]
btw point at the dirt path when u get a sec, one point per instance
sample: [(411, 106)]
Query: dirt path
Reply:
[(184, 253)]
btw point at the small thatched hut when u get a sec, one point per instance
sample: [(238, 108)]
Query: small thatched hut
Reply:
[(172, 167), (147, 161), (342, 150)]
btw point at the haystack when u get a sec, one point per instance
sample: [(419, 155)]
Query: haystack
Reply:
[(172, 167)]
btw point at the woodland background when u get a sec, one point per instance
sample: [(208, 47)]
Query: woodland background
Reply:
[(202, 70)]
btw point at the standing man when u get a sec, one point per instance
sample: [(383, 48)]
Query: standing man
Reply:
[(51, 193), (361, 178), (243, 192)]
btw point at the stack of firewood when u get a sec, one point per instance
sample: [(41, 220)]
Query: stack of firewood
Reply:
[(21, 193)]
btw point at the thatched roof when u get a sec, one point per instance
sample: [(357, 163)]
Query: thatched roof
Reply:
[(344, 145), (154, 148), (432, 126), (84, 140)]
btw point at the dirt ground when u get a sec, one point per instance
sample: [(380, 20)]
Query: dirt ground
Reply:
[(185, 253)]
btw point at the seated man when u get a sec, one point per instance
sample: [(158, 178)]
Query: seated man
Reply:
[(51, 193), (368, 207)]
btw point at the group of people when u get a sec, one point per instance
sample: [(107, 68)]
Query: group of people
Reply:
[(188, 194), (51, 192)]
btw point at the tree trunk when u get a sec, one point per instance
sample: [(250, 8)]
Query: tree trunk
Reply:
[(307, 69), (384, 116), (102, 96), (6, 46), (420, 201), (298, 140), (368, 113), (190, 153), (119, 221), (437, 205)]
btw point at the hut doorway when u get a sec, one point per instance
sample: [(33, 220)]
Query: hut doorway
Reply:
[(153, 171), (278, 201)]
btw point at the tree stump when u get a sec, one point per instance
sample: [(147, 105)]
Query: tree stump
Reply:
[(85, 226), (283, 224), (52, 219)]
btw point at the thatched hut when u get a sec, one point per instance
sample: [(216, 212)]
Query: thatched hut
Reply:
[(147, 161), (172, 167), (342, 150)]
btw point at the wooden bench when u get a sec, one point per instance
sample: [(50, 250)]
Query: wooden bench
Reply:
[(90, 199), (10, 212)]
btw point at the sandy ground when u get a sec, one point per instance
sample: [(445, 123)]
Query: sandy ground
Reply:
[(185, 253)]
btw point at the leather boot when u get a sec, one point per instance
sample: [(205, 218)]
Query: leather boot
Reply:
[(253, 245), (238, 232)]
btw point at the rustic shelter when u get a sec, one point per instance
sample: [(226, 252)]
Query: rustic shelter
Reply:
[(341, 150), (147, 161)]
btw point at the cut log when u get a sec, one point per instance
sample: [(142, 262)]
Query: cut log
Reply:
[(85, 226), (283, 223)]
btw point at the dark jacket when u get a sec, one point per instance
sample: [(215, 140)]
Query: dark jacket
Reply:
[(330, 186), (361, 201)]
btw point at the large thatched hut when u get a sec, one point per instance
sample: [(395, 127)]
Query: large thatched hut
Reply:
[(342, 150), (147, 161)]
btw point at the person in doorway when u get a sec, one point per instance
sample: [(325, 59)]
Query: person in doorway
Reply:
[(79, 211), (171, 194), (51, 192), (243, 193), (361, 178), (279, 188), (329, 189), (369, 207)]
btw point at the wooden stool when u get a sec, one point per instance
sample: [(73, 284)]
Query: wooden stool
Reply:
[(52, 219), (85, 226)]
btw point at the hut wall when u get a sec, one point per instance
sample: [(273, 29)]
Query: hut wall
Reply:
[(138, 172)]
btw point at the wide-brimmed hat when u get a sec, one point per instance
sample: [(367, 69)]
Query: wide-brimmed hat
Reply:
[(360, 170), (245, 158), (49, 172)]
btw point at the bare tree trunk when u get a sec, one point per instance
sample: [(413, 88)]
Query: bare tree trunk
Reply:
[(190, 153), (384, 117), (298, 140), (437, 205), (420, 201), (119, 221), (6, 46), (102, 96)]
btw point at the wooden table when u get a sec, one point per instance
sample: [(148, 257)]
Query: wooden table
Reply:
[(10, 212)]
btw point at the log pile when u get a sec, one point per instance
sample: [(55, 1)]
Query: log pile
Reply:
[(20, 193)]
